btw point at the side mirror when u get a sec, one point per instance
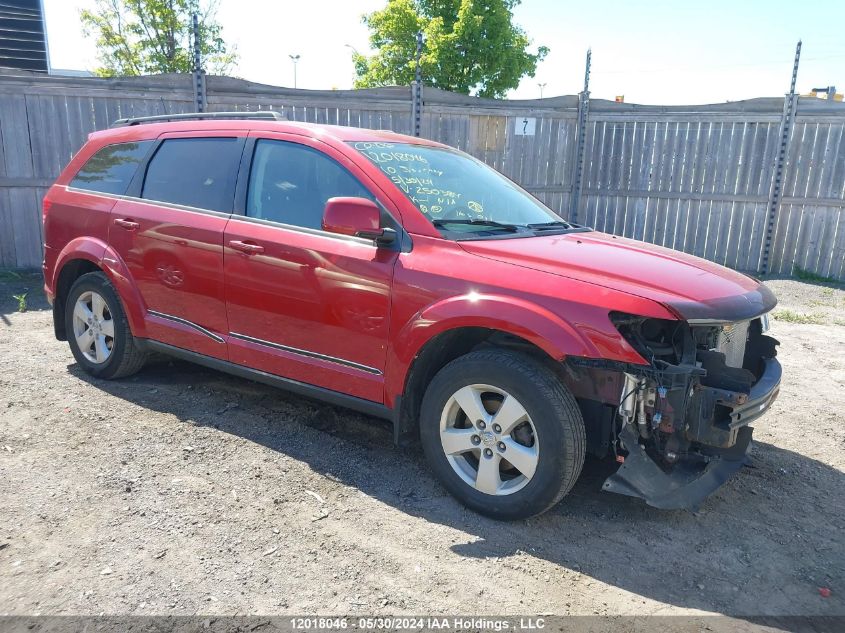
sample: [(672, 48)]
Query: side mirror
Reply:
[(356, 216)]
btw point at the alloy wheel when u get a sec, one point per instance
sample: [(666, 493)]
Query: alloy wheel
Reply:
[(489, 439), (93, 327)]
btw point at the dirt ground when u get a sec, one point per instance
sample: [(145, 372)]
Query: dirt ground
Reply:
[(186, 491)]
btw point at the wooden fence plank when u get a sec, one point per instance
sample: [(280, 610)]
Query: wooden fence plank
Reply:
[(14, 128), (8, 254)]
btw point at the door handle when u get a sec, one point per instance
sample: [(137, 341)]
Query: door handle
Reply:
[(246, 247), (129, 225)]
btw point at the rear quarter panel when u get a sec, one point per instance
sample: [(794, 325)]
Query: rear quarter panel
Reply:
[(75, 213)]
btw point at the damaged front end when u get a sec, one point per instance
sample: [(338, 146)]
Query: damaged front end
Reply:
[(678, 425)]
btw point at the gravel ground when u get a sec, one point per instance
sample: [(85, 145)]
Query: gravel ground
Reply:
[(186, 491)]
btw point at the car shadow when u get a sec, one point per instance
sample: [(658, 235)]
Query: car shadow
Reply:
[(761, 545)]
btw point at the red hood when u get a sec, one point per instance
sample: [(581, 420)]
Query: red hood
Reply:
[(695, 288)]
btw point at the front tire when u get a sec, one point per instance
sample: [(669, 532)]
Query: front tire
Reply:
[(98, 331), (502, 433)]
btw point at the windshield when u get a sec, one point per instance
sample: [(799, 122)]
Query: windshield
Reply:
[(459, 194)]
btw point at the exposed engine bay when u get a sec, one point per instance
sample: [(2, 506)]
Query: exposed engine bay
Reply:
[(679, 425)]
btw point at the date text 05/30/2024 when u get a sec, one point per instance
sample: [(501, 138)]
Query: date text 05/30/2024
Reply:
[(410, 623)]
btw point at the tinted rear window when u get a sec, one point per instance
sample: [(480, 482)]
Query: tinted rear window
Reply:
[(111, 169), (196, 172)]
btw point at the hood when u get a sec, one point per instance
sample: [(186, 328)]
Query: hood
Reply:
[(692, 287)]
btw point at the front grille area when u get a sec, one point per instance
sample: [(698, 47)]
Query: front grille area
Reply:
[(732, 341)]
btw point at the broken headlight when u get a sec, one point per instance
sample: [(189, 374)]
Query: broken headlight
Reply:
[(653, 339)]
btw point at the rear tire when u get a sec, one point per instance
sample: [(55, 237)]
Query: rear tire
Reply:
[(489, 405), (98, 330)]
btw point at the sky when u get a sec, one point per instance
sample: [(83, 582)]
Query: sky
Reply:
[(652, 52)]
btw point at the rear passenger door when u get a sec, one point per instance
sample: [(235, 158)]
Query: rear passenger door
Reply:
[(302, 302), (169, 232)]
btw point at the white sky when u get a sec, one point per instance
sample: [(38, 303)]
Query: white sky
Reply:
[(661, 51)]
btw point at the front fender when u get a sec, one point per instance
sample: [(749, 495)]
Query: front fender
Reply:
[(536, 324), (106, 258)]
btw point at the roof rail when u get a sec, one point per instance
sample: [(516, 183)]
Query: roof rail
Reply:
[(268, 115)]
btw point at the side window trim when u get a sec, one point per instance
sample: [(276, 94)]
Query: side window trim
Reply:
[(242, 186), (137, 182)]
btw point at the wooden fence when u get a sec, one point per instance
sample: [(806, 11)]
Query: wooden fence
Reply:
[(698, 178)]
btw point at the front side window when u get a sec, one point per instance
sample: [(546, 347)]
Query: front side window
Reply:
[(112, 168), (460, 195), (195, 172), (291, 183)]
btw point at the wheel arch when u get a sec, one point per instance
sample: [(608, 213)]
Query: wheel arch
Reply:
[(86, 255), (455, 327)]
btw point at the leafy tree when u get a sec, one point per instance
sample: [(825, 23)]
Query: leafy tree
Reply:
[(470, 45), (140, 37)]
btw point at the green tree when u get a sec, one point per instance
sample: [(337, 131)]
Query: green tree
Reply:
[(141, 37), (470, 46)]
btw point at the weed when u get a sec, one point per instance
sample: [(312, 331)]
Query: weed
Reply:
[(21, 299), (10, 275), (798, 317), (806, 275)]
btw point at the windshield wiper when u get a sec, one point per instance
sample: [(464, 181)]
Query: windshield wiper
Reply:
[(555, 224), (475, 222)]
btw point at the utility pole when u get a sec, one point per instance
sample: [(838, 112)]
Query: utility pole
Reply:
[(416, 105), (294, 59), (355, 54), (541, 86), (198, 73), (583, 112), (776, 191)]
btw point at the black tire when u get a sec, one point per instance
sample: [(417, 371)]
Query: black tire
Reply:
[(554, 414), (126, 356)]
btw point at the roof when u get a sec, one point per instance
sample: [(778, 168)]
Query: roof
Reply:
[(314, 130)]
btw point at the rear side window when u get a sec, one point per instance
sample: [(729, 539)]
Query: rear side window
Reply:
[(111, 169), (290, 183), (195, 172)]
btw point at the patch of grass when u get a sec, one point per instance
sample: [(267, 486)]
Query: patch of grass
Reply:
[(817, 304), (8, 274), (21, 299), (798, 317), (806, 275)]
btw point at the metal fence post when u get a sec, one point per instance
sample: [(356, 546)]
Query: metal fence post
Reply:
[(416, 90), (787, 118), (198, 73), (581, 134)]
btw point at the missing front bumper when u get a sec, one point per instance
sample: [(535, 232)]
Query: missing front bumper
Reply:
[(686, 486)]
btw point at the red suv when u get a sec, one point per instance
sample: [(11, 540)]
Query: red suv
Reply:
[(405, 279)]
